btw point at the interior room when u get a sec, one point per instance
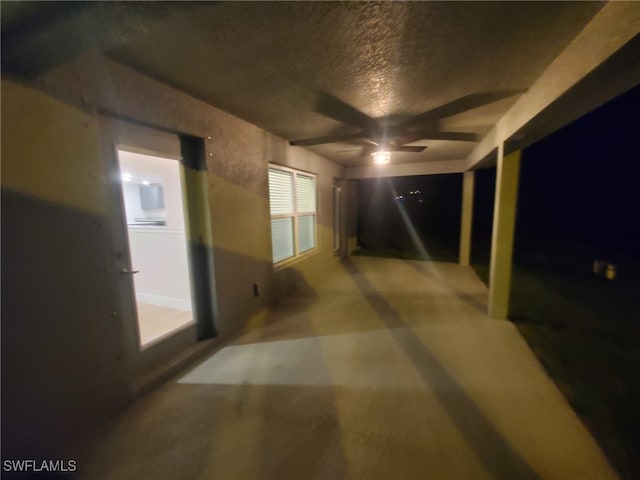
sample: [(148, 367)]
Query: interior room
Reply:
[(155, 223)]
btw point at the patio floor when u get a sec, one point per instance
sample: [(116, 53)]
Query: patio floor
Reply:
[(386, 369)]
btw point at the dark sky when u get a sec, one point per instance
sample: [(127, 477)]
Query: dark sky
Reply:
[(583, 182), (580, 184)]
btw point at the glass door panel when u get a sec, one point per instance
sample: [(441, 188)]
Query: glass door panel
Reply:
[(152, 194)]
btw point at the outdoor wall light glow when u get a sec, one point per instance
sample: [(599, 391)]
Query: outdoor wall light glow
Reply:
[(381, 158)]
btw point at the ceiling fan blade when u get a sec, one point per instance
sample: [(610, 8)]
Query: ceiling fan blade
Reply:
[(431, 135), (462, 104), (328, 139), (408, 149), (370, 149), (335, 108), (351, 150), (408, 138)]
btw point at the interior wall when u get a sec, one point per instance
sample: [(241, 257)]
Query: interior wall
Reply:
[(160, 256), (158, 252), (153, 170), (61, 360)]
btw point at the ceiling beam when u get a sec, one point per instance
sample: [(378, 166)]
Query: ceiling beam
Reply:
[(615, 25), (406, 169)]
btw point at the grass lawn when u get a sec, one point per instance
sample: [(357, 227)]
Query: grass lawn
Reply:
[(585, 330), (441, 248)]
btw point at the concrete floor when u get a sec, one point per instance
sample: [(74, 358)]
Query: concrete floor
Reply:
[(390, 369)]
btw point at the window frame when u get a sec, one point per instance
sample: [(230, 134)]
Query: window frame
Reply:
[(295, 215)]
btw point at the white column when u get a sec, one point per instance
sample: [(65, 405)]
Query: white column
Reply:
[(504, 217), (468, 179)]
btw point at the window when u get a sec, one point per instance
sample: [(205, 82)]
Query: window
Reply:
[(292, 196)]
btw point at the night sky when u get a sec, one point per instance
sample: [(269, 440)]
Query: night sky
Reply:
[(578, 186), (582, 182)]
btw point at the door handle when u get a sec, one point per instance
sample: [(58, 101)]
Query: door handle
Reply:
[(126, 271)]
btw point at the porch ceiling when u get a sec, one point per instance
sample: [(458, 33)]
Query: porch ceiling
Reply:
[(268, 62)]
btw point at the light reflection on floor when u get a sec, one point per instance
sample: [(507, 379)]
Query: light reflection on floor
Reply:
[(299, 362), (390, 369)]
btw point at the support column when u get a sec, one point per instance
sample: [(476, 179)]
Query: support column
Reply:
[(504, 217), (468, 179)]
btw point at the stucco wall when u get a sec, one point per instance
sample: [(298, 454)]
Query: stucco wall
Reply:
[(61, 360), (297, 275), (238, 155), (61, 347)]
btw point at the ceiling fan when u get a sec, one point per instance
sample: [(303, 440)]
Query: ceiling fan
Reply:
[(393, 133)]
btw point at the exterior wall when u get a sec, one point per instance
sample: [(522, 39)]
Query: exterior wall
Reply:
[(61, 358), (294, 277), (61, 362), (238, 155), (236, 171)]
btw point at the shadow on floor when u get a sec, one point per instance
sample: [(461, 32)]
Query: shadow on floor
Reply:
[(480, 435), (462, 295)]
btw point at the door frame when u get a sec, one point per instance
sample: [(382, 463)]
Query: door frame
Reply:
[(339, 217), (117, 135)]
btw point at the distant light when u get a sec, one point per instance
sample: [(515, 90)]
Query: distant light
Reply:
[(127, 177), (382, 157), (145, 183)]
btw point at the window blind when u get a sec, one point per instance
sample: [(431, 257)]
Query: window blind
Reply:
[(280, 191), (282, 238), (306, 232), (292, 198), (306, 193)]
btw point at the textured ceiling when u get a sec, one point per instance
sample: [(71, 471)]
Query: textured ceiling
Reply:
[(267, 62)]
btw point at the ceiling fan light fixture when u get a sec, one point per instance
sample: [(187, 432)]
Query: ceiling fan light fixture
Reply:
[(381, 157)]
